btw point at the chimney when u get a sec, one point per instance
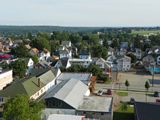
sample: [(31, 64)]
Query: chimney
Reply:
[(39, 83)]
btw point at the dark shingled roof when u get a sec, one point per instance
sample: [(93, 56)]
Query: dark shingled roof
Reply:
[(147, 111), (84, 52), (39, 71)]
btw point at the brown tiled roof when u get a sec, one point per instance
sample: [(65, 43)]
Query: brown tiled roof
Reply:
[(93, 78), (35, 50)]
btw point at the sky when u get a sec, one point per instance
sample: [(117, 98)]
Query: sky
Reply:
[(89, 13)]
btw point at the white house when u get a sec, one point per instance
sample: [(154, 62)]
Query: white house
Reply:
[(158, 60), (84, 62), (5, 78), (65, 54), (30, 64), (85, 54), (124, 63), (63, 62), (66, 44), (138, 53), (44, 55)]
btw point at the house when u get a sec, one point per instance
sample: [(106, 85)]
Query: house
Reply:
[(124, 44), (138, 53), (111, 58), (84, 62), (48, 78), (66, 98), (34, 51), (110, 51), (146, 111), (30, 64), (59, 63), (147, 60), (120, 52), (30, 86), (84, 77), (66, 44), (84, 54), (67, 53), (124, 63), (44, 55), (5, 78), (158, 60), (28, 46), (42, 64), (40, 82), (74, 51), (106, 66)]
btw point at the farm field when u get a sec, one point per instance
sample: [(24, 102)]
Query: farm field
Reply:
[(144, 32)]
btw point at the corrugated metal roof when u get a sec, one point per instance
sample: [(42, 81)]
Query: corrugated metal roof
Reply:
[(79, 76), (67, 89)]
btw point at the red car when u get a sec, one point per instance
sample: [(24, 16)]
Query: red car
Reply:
[(158, 100), (109, 92)]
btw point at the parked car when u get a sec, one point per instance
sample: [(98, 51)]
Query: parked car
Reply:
[(158, 100), (156, 94), (100, 92), (109, 92), (132, 101)]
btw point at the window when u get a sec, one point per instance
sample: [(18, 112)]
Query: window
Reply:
[(1, 99)]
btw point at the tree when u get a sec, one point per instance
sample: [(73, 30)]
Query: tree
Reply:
[(95, 70), (75, 38), (41, 43), (35, 59), (133, 58), (127, 84), (19, 67), (22, 108), (99, 51), (20, 51), (147, 86)]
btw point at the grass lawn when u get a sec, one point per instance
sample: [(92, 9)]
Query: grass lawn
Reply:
[(106, 82), (122, 93), (124, 115), (145, 32)]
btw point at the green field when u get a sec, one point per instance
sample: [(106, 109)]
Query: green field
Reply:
[(124, 115), (145, 32), (122, 93)]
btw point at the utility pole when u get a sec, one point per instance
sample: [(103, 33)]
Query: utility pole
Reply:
[(153, 76)]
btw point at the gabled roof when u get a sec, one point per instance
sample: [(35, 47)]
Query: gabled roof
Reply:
[(65, 43), (37, 72), (67, 89), (28, 86), (84, 52), (147, 111), (47, 77), (35, 50), (55, 71), (66, 51)]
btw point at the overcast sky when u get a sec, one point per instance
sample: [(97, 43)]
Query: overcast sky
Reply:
[(112, 13)]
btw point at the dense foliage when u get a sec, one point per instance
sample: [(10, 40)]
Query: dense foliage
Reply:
[(22, 108)]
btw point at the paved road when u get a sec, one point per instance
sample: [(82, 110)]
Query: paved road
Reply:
[(140, 97)]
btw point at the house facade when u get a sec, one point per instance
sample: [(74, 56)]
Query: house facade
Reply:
[(65, 54), (84, 62), (5, 78), (124, 63), (85, 54)]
